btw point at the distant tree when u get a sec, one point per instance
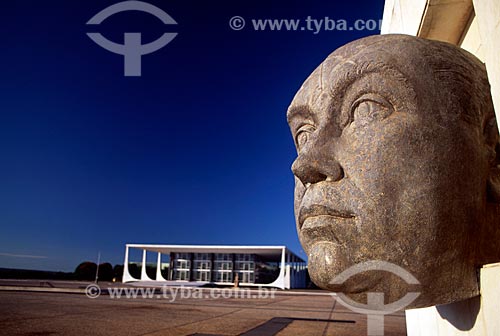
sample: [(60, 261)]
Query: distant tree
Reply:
[(86, 271), (118, 272), (151, 271), (11, 273), (134, 271), (105, 272)]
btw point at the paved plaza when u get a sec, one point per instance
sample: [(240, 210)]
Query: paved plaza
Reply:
[(287, 313)]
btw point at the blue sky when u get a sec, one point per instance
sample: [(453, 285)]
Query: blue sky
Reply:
[(195, 151)]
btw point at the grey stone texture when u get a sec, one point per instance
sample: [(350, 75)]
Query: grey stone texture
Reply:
[(397, 161)]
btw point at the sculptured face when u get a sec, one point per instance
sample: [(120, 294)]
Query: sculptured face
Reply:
[(387, 169)]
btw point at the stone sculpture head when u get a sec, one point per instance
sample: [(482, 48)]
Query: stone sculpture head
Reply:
[(397, 161)]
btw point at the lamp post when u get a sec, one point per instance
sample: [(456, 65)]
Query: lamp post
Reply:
[(97, 269)]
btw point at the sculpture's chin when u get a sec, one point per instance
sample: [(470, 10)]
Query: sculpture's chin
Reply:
[(325, 262), (328, 261)]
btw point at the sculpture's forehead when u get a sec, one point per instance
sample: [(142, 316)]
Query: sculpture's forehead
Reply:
[(382, 53), (311, 90), (316, 91)]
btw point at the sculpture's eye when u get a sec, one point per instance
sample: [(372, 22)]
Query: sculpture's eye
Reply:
[(370, 107), (302, 136)]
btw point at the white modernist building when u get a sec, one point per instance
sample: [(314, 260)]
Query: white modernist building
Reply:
[(264, 266)]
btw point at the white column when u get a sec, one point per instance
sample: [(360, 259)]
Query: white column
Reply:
[(477, 316), (295, 272), (144, 275), (280, 281), (126, 274), (488, 17), (287, 271), (159, 277)]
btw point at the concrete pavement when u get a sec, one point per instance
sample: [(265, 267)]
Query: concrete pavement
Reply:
[(287, 313)]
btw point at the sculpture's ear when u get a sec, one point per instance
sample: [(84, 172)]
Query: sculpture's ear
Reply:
[(491, 137)]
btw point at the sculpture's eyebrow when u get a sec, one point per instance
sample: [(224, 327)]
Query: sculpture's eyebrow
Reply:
[(346, 73), (296, 113), (335, 80)]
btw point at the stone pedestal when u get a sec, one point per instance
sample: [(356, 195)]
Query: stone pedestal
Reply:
[(479, 316)]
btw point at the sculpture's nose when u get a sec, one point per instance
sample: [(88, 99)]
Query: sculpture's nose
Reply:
[(315, 165)]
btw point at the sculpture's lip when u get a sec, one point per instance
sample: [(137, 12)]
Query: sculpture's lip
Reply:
[(317, 210)]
